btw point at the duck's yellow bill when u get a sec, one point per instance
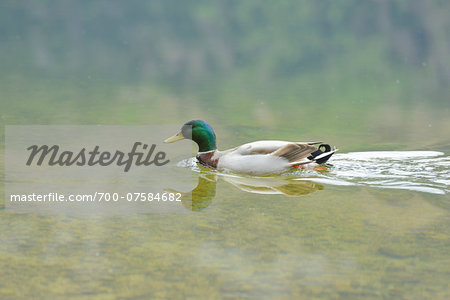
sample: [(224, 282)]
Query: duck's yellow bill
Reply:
[(177, 137)]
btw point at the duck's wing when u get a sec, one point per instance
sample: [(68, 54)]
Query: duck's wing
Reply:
[(260, 147), (320, 155), (295, 153)]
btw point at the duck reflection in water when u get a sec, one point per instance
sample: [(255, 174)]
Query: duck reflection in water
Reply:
[(205, 191)]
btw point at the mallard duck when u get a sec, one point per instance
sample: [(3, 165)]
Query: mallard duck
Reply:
[(255, 158)]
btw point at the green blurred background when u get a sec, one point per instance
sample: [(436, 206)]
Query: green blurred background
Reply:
[(363, 74)]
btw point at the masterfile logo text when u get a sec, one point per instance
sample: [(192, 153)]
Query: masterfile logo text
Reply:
[(100, 163)]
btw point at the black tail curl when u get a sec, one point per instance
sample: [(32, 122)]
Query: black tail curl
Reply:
[(323, 148)]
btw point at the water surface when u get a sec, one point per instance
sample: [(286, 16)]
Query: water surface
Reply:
[(371, 225)]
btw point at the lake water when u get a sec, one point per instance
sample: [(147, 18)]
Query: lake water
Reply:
[(370, 224)]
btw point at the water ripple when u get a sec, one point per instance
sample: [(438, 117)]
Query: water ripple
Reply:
[(425, 171)]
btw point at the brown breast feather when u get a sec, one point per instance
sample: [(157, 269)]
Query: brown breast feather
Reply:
[(207, 160)]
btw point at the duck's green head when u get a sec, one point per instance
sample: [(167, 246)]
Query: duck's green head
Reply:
[(200, 132)]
